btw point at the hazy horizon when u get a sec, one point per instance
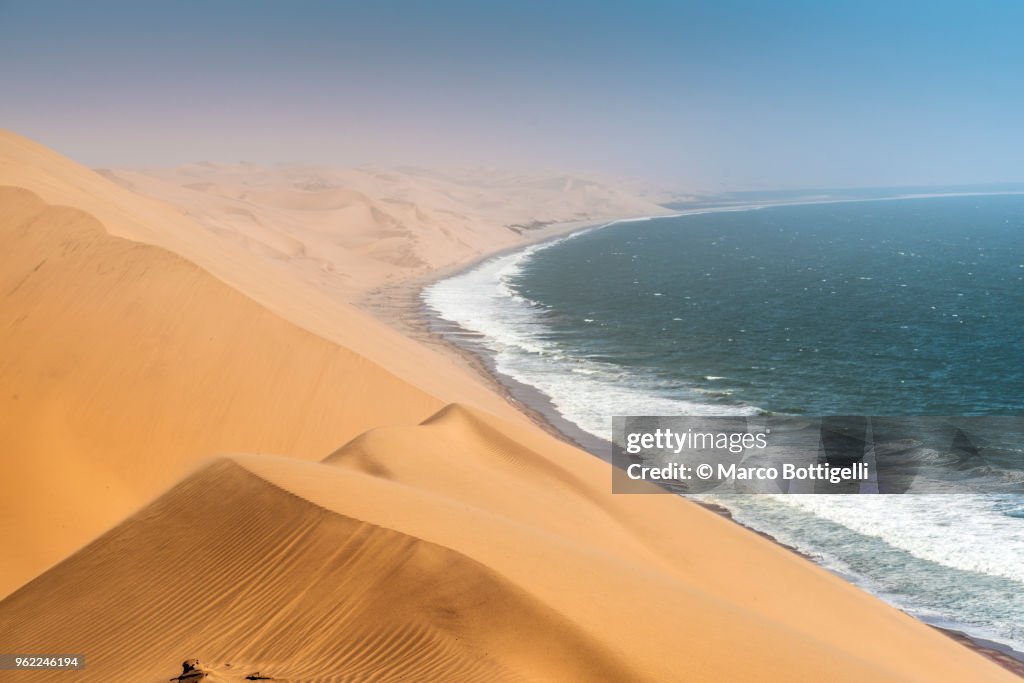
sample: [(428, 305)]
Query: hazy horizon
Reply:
[(724, 97)]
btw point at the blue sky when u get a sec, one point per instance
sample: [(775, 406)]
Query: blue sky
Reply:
[(717, 95)]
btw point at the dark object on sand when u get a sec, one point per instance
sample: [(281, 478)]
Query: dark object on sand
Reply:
[(191, 670)]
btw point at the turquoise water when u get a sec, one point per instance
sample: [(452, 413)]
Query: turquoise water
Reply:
[(896, 307)]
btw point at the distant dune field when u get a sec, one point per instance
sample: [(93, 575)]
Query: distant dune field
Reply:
[(210, 454), (346, 230)]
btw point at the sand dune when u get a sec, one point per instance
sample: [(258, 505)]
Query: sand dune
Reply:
[(122, 364), (389, 519), (249, 575), (454, 551), (114, 348), (321, 307)]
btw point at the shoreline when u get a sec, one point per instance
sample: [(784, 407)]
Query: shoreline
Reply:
[(400, 306)]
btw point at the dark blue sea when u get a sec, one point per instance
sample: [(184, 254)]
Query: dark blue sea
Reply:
[(898, 306)]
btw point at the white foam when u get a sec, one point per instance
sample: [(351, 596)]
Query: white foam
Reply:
[(585, 392), (958, 531), (936, 531)]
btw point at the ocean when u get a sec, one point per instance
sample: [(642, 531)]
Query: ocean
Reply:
[(896, 306)]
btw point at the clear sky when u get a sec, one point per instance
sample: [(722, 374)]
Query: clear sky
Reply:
[(719, 94)]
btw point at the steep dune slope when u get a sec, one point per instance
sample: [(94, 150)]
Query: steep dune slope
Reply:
[(112, 348), (313, 306), (122, 363), (241, 572), (388, 563), (711, 592)]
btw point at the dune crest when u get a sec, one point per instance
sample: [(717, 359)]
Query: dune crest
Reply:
[(248, 574)]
